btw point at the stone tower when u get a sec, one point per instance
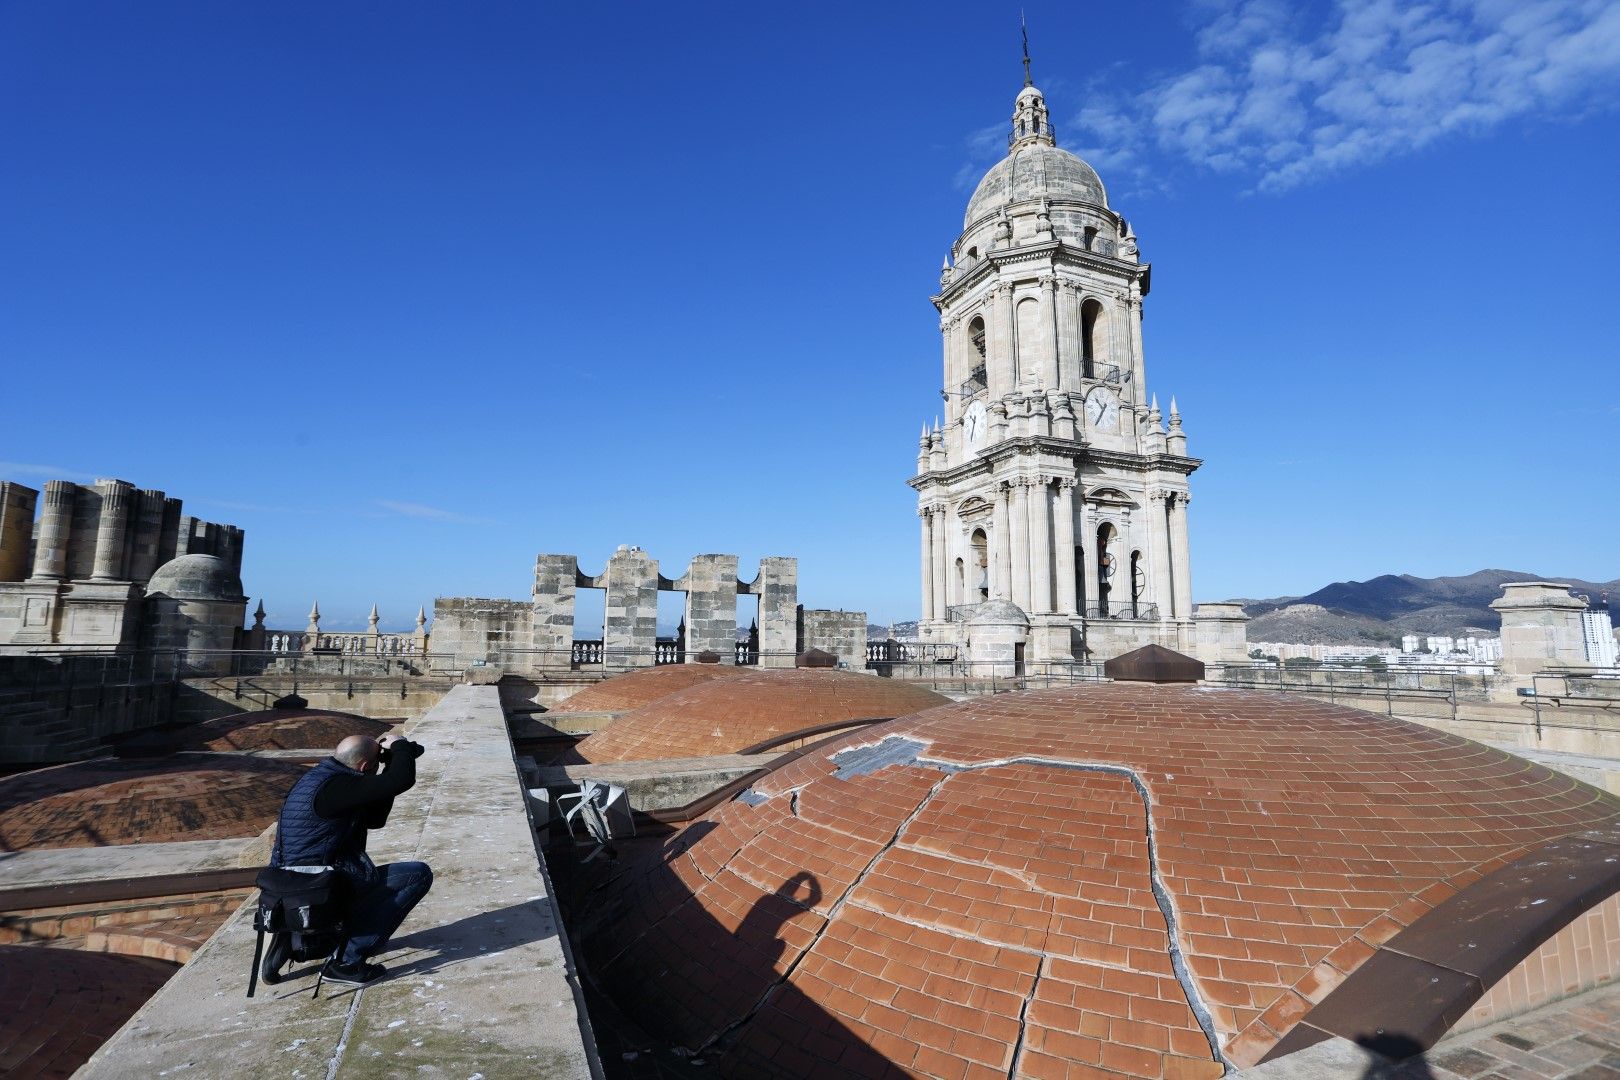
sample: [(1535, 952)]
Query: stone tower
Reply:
[(1053, 483)]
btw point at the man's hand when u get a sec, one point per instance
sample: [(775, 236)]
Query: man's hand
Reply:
[(389, 740)]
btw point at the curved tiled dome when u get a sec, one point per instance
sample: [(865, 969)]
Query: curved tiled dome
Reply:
[(1031, 172), (57, 1007), (726, 716), (196, 577), (113, 801), (634, 689), (1131, 879), (279, 729)]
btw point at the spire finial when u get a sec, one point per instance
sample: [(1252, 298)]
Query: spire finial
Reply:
[(1024, 26)]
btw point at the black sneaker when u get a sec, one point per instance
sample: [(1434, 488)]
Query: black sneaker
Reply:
[(275, 957), (356, 974)]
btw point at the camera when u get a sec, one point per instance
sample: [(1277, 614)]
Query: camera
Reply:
[(416, 750)]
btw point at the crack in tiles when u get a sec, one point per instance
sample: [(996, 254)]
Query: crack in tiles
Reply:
[(1161, 894), (832, 913), (1023, 1018)]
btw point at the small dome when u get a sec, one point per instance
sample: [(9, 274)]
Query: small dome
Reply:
[(634, 689), (196, 577), (1000, 612), (1031, 172)]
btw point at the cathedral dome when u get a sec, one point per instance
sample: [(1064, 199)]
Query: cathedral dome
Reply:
[(1032, 172), (196, 577)]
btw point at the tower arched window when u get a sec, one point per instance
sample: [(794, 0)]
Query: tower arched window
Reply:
[(1093, 338)]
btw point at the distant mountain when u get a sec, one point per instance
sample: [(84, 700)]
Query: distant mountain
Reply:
[(1380, 611)]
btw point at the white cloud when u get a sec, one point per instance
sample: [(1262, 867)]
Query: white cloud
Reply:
[(10, 469), (1286, 102), (429, 513)]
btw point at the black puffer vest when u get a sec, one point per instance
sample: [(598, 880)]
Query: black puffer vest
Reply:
[(304, 838)]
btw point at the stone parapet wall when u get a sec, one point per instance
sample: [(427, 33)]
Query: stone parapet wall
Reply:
[(842, 633)]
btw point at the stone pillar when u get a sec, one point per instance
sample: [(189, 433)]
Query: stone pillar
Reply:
[(231, 548), (55, 530), (1138, 380), (941, 564), (1068, 335), (1222, 636), (1063, 537), (169, 535), (999, 368), (1541, 627), (926, 514), (711, 607), (1049, 334), (778, 589), (551, 611), (17, 505), (1020, 543), (1181, 555), (146, 536), (188, 539), (1088, 561), (630, 616), (1040, 545), (1001, 549), (1159, 546), (953, 378)]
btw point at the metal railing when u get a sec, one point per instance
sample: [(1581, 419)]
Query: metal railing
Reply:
[(988, 676)]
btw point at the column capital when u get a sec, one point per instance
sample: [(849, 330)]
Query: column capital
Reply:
[(1048, 281), (1067, 483)]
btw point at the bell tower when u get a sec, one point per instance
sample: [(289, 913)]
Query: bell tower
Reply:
[(1053, 483)]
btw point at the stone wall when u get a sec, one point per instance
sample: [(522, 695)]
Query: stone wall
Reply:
[(470, 629), (842, 633)]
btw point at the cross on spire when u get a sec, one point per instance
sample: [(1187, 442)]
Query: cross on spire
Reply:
[(1025, 27)]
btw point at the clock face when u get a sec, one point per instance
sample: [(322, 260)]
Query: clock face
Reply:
[(973, 425), (1102, 409)]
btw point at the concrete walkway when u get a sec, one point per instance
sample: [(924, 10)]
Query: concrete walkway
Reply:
[(478, 984), (71, 866)]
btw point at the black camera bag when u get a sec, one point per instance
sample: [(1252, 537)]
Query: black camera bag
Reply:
[(306, 905)]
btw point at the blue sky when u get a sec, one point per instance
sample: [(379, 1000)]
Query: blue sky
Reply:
[(412, 292)]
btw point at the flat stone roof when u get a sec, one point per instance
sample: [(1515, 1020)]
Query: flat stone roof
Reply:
[(479, 981), (71, 866)]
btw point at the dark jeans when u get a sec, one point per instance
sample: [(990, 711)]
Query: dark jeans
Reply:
[(377, 912)]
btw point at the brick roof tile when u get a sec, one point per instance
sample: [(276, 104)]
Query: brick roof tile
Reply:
[(722, 717), (993, 896)]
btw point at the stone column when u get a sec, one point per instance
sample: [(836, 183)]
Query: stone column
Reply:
[(1049, 334), (1040, 544), (630, 612), (926, 561), (1063, 537), (16, 529), (551, 612), (778, 588), (1068, 335), (169, 534), (55, 529), (953, 379), (1089, 562), (711, 607), (1020, 542), (1001, 549), (1158, 527), (941, 564), (1138, 380), (1541, 628), (999, 368), (147, 535), (1180, 555)]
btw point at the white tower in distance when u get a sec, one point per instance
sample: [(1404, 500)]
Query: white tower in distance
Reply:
[(1053, 483)]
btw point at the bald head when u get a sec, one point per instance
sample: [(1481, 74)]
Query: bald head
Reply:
[(358, 752)]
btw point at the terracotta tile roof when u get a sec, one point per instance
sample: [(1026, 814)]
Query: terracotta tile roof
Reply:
[(634, 689), (57, 1006), (111, 801), (279, 729), (973, 892), (752, 706)]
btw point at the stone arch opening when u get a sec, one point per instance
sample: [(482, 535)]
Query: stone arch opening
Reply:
[(980, 546), (1093, 338), (1106, 534), (1138, 585)]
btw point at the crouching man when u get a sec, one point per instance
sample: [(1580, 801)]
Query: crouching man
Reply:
[(324, 823)]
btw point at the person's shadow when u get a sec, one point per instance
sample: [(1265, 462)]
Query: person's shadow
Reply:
[(487, 933), (1395, 1057)]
